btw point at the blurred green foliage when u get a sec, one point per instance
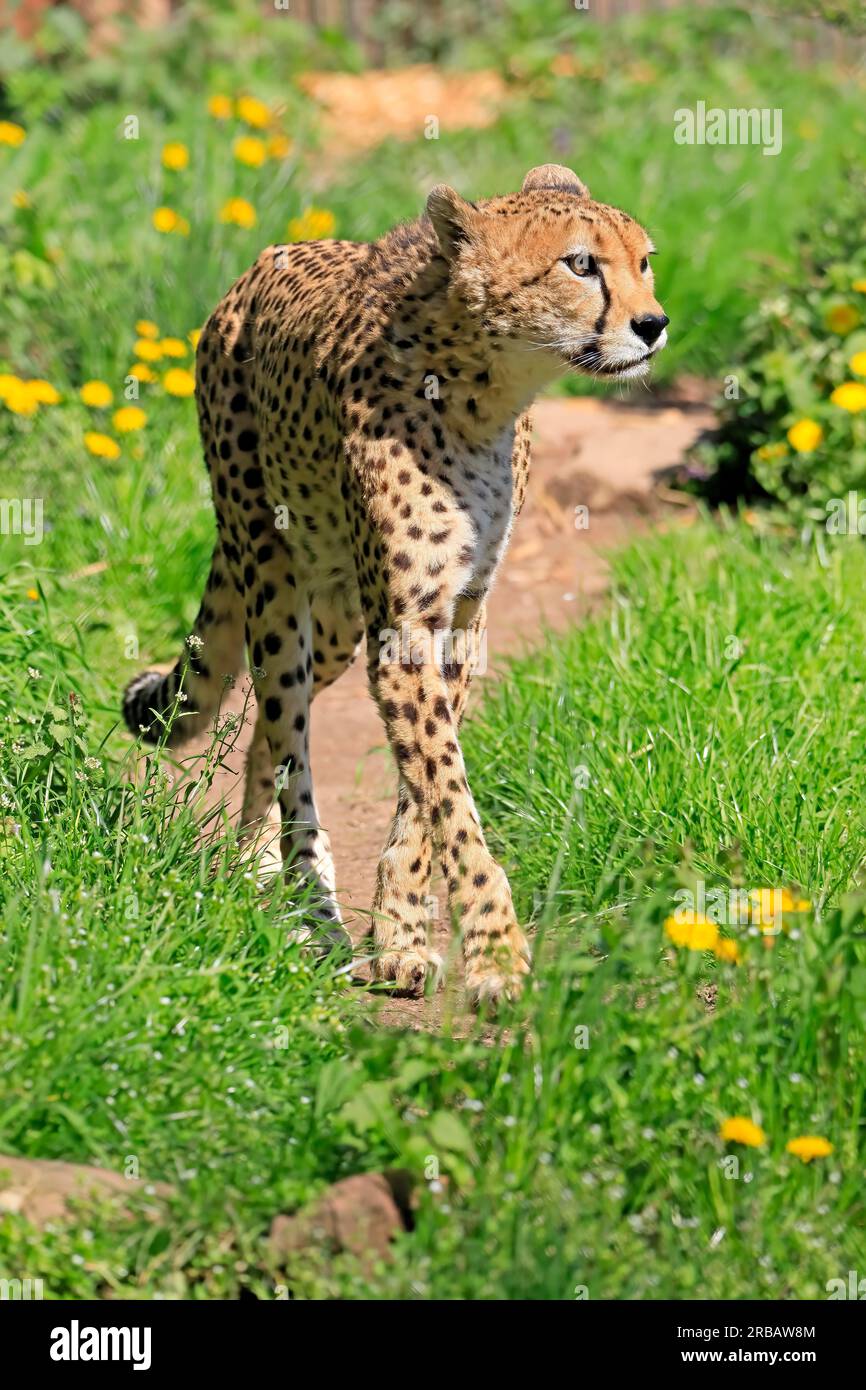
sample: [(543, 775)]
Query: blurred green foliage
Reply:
[(159, 70), (786, 431), (601, 97)]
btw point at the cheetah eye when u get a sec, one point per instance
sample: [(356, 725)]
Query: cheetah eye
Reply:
[(582, 264), (644, 265)]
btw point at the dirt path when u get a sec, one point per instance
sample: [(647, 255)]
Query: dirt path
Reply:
[(358, 110), (587, 453)]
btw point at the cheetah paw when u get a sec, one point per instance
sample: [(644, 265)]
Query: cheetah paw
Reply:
[(491, 982), (409, 969)]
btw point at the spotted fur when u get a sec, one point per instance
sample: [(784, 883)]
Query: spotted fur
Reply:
[(363, 411)]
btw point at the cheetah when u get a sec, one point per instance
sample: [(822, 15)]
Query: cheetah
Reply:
[(364, 417)]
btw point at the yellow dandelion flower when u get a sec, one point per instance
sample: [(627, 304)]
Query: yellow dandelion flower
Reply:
[(129, 418), (239, 211), (179, 382), (175, 155), (141, 372), (249, 149), (253, 112), (18, 398), (851, 396), (842, 318), (165, 220), (21, 200), (678, 932), (279, 146), (741, 1130), (859, 286), (768, 452), (766, 906), (101, 445), (8, 382), (703, 937), (323, 223), (809, 1146), (727, 950), (194, 334), (786, 900), (696, 933), (805, 435), (43, 391), (146, 328), (173, 347), (182, 227), (96, 393), (312, 225), (858, 364), (147, 350), (33, 595), (12, 134), (219, 107)]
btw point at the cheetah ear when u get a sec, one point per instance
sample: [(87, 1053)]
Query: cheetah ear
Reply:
[(452, 217), (554, 176)]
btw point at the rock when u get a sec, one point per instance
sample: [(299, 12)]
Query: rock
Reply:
[(360, 1215), (40, 1188)]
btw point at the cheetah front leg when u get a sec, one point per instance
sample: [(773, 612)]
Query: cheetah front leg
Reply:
[(491, 970), (402, 902), (419, 714), (401, 905)]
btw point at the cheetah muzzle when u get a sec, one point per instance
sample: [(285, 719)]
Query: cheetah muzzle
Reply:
[(364, 417)]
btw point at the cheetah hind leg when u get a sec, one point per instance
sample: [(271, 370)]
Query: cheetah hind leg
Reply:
[(261, 828), (261, 832), (281, 765), (196, 685)]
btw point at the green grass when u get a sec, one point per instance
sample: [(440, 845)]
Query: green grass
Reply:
[(146, 981), (714, 710)]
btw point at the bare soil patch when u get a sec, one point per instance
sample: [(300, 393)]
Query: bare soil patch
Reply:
[(359, 110)]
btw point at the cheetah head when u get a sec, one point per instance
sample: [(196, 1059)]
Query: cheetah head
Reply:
[(549, 271)]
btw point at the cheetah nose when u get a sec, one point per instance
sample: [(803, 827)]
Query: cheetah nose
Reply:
[(649, 327)]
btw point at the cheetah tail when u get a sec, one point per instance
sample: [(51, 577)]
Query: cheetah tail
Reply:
[(149, 701)]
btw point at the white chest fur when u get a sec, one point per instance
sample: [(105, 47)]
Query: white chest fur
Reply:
[(484, 479)]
